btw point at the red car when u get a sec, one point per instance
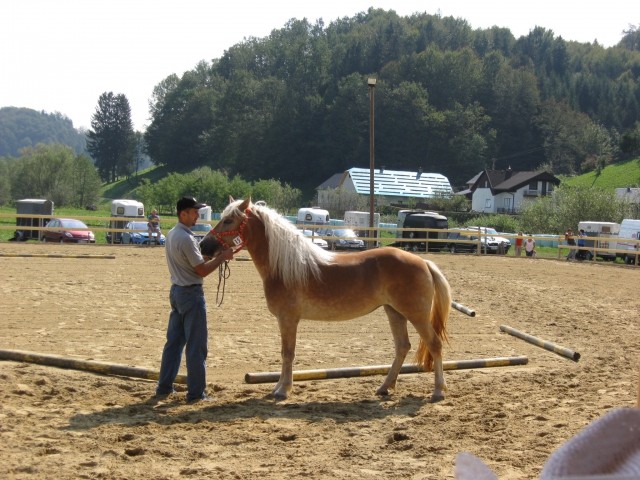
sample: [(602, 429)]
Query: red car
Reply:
[(64, 230)]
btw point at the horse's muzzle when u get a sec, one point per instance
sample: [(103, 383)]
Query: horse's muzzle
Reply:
[(210, 246)]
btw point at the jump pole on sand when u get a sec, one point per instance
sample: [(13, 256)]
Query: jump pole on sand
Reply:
[(463, 309), (547, 345), (328, 373), (86, 365), (55, 255)]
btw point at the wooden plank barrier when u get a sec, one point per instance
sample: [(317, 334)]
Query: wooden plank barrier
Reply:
[(93, 366), (329, 373), (547, 345)]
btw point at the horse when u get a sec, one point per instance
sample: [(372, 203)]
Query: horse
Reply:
[(303, 281)]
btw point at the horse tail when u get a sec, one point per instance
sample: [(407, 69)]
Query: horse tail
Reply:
[(438, 316)]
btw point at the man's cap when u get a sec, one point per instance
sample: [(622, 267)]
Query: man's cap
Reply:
[(188, 202)]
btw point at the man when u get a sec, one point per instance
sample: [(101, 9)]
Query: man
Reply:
[(568, 236), (188, 317), (153, 227)]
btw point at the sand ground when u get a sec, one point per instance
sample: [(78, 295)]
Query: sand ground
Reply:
[(59, 423)]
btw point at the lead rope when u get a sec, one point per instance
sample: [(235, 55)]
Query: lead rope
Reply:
[(224, 272)]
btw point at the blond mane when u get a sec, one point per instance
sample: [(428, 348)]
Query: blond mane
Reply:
[(292, 257)]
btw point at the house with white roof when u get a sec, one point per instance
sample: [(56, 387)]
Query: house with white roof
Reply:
[(389, 186)]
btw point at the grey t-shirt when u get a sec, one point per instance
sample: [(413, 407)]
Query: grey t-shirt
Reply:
[(183, 253)]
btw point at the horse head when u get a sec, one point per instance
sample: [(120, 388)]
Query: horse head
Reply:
[(228, 232)]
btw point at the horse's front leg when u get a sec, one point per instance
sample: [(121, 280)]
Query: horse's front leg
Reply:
[(288, 332)]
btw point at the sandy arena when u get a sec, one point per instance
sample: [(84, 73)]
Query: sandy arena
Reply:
[(64, 424)]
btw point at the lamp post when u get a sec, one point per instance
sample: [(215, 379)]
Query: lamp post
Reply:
[(372, 87)]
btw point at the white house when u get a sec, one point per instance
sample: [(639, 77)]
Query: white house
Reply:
[(389, 186), (506, 191)]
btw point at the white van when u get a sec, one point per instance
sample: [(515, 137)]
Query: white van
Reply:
[(603, 231), (629, 239)]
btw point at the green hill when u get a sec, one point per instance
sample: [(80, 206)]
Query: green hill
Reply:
[(126, 188), (618, 175)]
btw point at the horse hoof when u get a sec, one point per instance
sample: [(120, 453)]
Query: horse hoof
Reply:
[(279, 395), (437, 397), (382, 392)]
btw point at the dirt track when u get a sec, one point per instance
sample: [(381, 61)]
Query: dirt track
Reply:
[(72, 424)]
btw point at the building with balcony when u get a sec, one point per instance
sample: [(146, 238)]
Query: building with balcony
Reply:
[(506, 191)]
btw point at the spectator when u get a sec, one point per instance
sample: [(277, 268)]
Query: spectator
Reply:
[(568, 236), (530, 247), (519, 241)]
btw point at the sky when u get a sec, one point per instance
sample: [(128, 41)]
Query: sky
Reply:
[(61, 55)]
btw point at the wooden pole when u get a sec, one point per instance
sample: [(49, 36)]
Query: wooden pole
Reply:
[(85, 365), (328, 373), (463, 309), (547, 345), (55, 255)]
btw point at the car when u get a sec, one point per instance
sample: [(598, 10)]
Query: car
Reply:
[(492, 233), (67, 230), (341, 238), (460, 241), (463, 242), (493, 237), (137, 233), (200, 230), (313, 235)]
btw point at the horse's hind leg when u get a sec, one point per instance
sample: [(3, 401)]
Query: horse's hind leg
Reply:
[(288, 332), (398, 324), (434, 346)]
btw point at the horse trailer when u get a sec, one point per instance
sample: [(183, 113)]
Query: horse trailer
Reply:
[(359, 222), (128, 210), (313, 216), (31, 206), (629, 239)]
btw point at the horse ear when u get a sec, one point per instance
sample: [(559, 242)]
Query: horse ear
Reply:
[(245, 204), (231, 199)]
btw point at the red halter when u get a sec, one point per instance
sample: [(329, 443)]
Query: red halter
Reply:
[(239, 241)]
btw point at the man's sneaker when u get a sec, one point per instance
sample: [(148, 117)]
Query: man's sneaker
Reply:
[(203, 398)]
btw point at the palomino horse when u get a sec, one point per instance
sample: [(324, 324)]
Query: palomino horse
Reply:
[(303, 281)]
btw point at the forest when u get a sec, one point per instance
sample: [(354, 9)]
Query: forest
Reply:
[(295, 106)]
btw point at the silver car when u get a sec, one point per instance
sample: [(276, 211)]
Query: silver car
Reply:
[(341, 238)]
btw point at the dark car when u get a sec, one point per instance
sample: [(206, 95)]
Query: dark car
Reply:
[(463, 242), (341, 238), (67, 230)]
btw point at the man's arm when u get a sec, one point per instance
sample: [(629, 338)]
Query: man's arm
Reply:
[(209, 266)]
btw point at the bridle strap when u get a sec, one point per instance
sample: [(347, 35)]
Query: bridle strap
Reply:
[(239, 233), (224, 271)]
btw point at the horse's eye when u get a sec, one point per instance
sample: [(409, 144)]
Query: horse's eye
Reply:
[(227, 221)]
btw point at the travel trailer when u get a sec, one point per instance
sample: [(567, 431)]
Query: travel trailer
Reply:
[(128, 210), (599, 235)]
